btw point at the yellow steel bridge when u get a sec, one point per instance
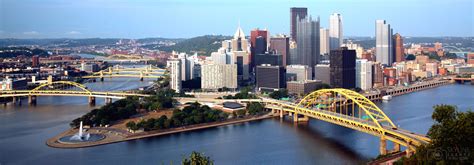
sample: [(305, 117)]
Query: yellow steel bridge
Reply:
[(65, 88), (338, 106), (119, 71), (341, 107)]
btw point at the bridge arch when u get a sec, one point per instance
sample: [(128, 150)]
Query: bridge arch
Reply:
[(81, 87), (374, 113)]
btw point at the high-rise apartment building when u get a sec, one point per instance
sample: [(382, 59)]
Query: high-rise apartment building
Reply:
[(215, 76), (364, 74), (281, 45), (174, 66), (335, 31), (307, 42), (398, 46), (295, 14), (383, 43), (342, 63), (324, 41)]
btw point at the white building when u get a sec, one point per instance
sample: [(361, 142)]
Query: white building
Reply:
[(335, 31), (215, 76), (352, 46), (324, 41), (364, 74), (383, 43), (302, 72), (174, 66)]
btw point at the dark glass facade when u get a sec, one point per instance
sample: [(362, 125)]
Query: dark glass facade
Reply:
[(342, 64)]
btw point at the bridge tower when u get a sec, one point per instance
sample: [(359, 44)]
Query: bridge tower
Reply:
[(91, 100), (32, 100), (101, 73), (110, 70), (141, 75)]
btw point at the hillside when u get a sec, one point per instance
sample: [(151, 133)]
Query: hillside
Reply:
[(203, 45)]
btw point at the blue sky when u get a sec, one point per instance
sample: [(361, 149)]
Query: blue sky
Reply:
[(189, 18)]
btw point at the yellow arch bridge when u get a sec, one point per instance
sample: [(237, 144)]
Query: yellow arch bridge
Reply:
[(65, 88), (338, 106), (341, 107), (119, 72)]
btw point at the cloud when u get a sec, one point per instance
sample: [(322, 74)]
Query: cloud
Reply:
[(73, 32), (31, 33)]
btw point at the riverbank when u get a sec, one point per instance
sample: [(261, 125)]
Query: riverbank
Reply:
[(402, 90), (113, 135)]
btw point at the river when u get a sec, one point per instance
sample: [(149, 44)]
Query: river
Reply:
[(24, 130)]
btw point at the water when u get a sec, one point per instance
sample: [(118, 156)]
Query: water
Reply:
[(24, 130)]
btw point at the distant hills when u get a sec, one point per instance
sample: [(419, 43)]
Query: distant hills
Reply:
[(203, 45)]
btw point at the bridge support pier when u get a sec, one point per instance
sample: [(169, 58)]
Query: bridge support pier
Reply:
[(101, 78), (91, 100), (108, 100), (14, 100), (297, 119), (141, 78), (32, 100), (281, 114), (383, 146)]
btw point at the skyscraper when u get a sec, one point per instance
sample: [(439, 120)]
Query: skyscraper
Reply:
[(324, 41), (335, 31), (307, 42), (295, 14), (241, 54), (383, 43), (399, 52), (281, 45), (258, 43), (343, 63)]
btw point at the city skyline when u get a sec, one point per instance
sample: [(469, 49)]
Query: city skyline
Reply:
[(58, 19)]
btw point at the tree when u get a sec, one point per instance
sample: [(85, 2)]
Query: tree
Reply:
[(132, 125), (279, 94), (451, 136), (410, 57), (197, 158), (255, 108)]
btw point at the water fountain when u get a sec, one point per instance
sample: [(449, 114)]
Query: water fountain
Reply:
[(80, 137)]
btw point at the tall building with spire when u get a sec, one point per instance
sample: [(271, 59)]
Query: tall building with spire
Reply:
[(383, 42), (399, 50), (296, 13), (335, 31), (241, 53)]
